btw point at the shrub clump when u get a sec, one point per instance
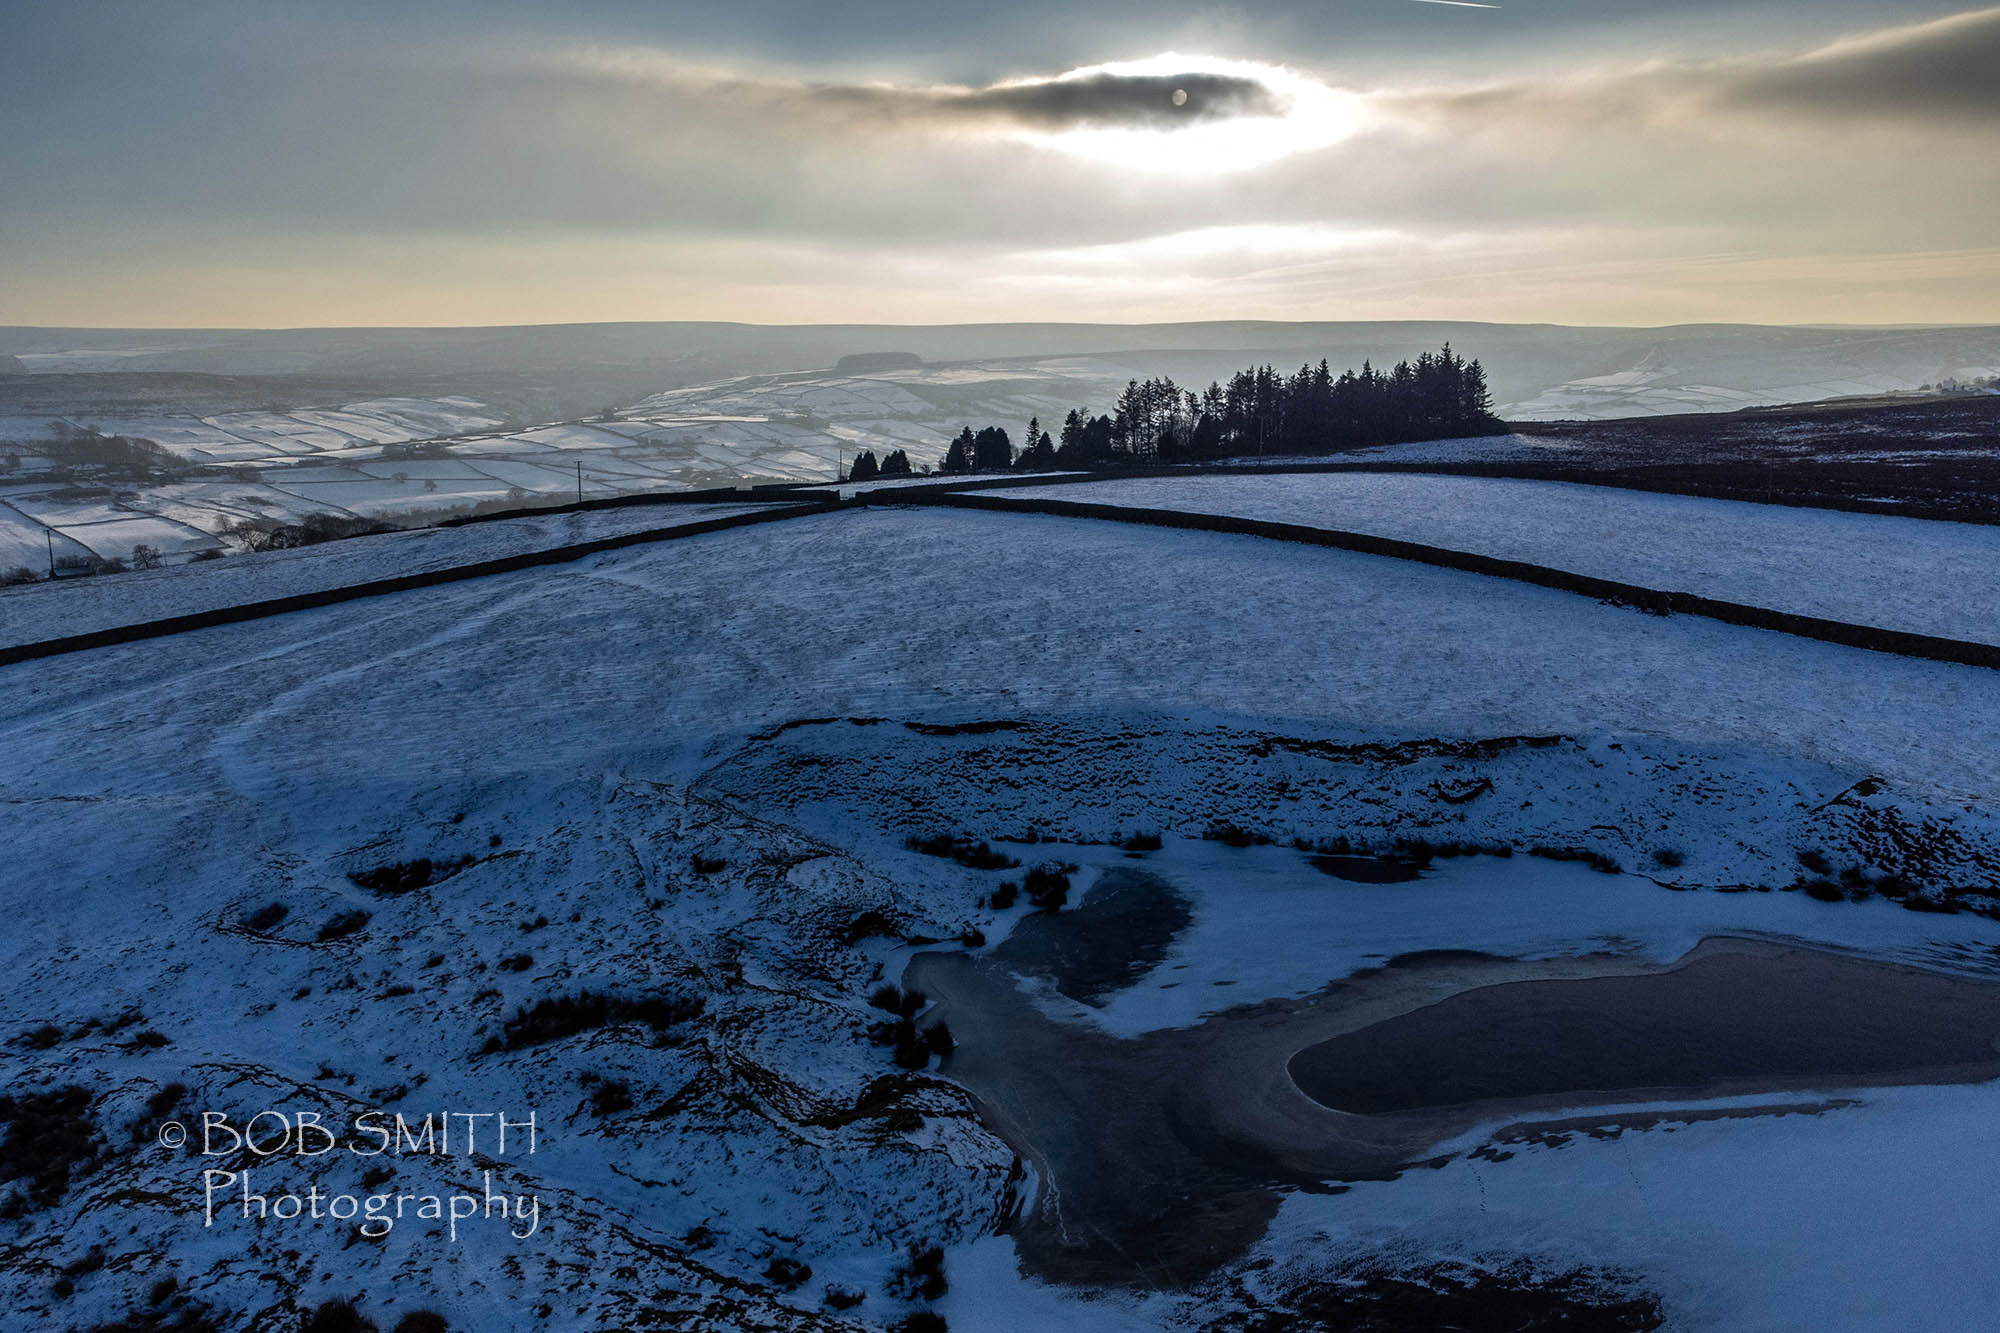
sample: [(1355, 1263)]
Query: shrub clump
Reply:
[(168, 1312), (906, 1004), (566, 1015), (1234, 835), (609, 1097), (968, 852), (1141, 842), (869, 925), (422, 1321), (50, 1140), (1597, 861), (1047, 885), (266, 918), (160, 1104), (789, 1273), (913, 1047), (920, 1277), (408, 876), (343, 924), (338, 1316)]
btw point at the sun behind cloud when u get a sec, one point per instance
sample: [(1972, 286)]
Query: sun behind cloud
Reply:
[(1299, 114)]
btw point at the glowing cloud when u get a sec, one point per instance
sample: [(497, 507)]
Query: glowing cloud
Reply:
[(1297, 115)]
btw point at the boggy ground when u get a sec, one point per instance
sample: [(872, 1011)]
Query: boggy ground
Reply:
[(1164, 1157), (1933, 458)]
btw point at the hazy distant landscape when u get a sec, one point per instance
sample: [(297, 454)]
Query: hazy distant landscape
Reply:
[(254, 431)]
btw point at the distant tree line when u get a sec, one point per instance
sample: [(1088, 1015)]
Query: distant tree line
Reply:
[(1953, 384), (1260, 411), (111, 457)]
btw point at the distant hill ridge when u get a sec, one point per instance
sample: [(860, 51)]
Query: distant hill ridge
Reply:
[(1537, 370), (864, 363)]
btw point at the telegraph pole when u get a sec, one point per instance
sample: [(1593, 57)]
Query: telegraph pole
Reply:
[(50, 533), (579, 481)]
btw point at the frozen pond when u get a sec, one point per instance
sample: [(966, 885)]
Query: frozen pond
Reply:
[(1206, 1032)]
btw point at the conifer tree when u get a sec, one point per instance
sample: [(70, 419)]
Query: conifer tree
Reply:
[(958, 458)]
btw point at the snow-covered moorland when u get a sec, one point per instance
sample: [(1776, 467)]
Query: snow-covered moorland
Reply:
[(623, 843)]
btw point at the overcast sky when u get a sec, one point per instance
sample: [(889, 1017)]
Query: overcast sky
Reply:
[(1575, 161)]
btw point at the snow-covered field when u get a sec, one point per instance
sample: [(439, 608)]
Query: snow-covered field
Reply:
[(1731, 374), (928, 403), (233, 436), (34, 612), (332, 460), (28, 544), (1633, 393), (584, 732), (1868, 569), (355, 461)]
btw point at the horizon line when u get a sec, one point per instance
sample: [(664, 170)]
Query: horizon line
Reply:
[(972, 324)]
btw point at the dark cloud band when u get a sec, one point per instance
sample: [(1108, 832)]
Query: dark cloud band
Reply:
[(1942, 73), (1948, 69), (1092, 101), (1099, 100)]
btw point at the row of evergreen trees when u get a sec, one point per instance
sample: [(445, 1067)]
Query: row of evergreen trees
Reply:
[(1259, 412), (991, 451), (896, 464)]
